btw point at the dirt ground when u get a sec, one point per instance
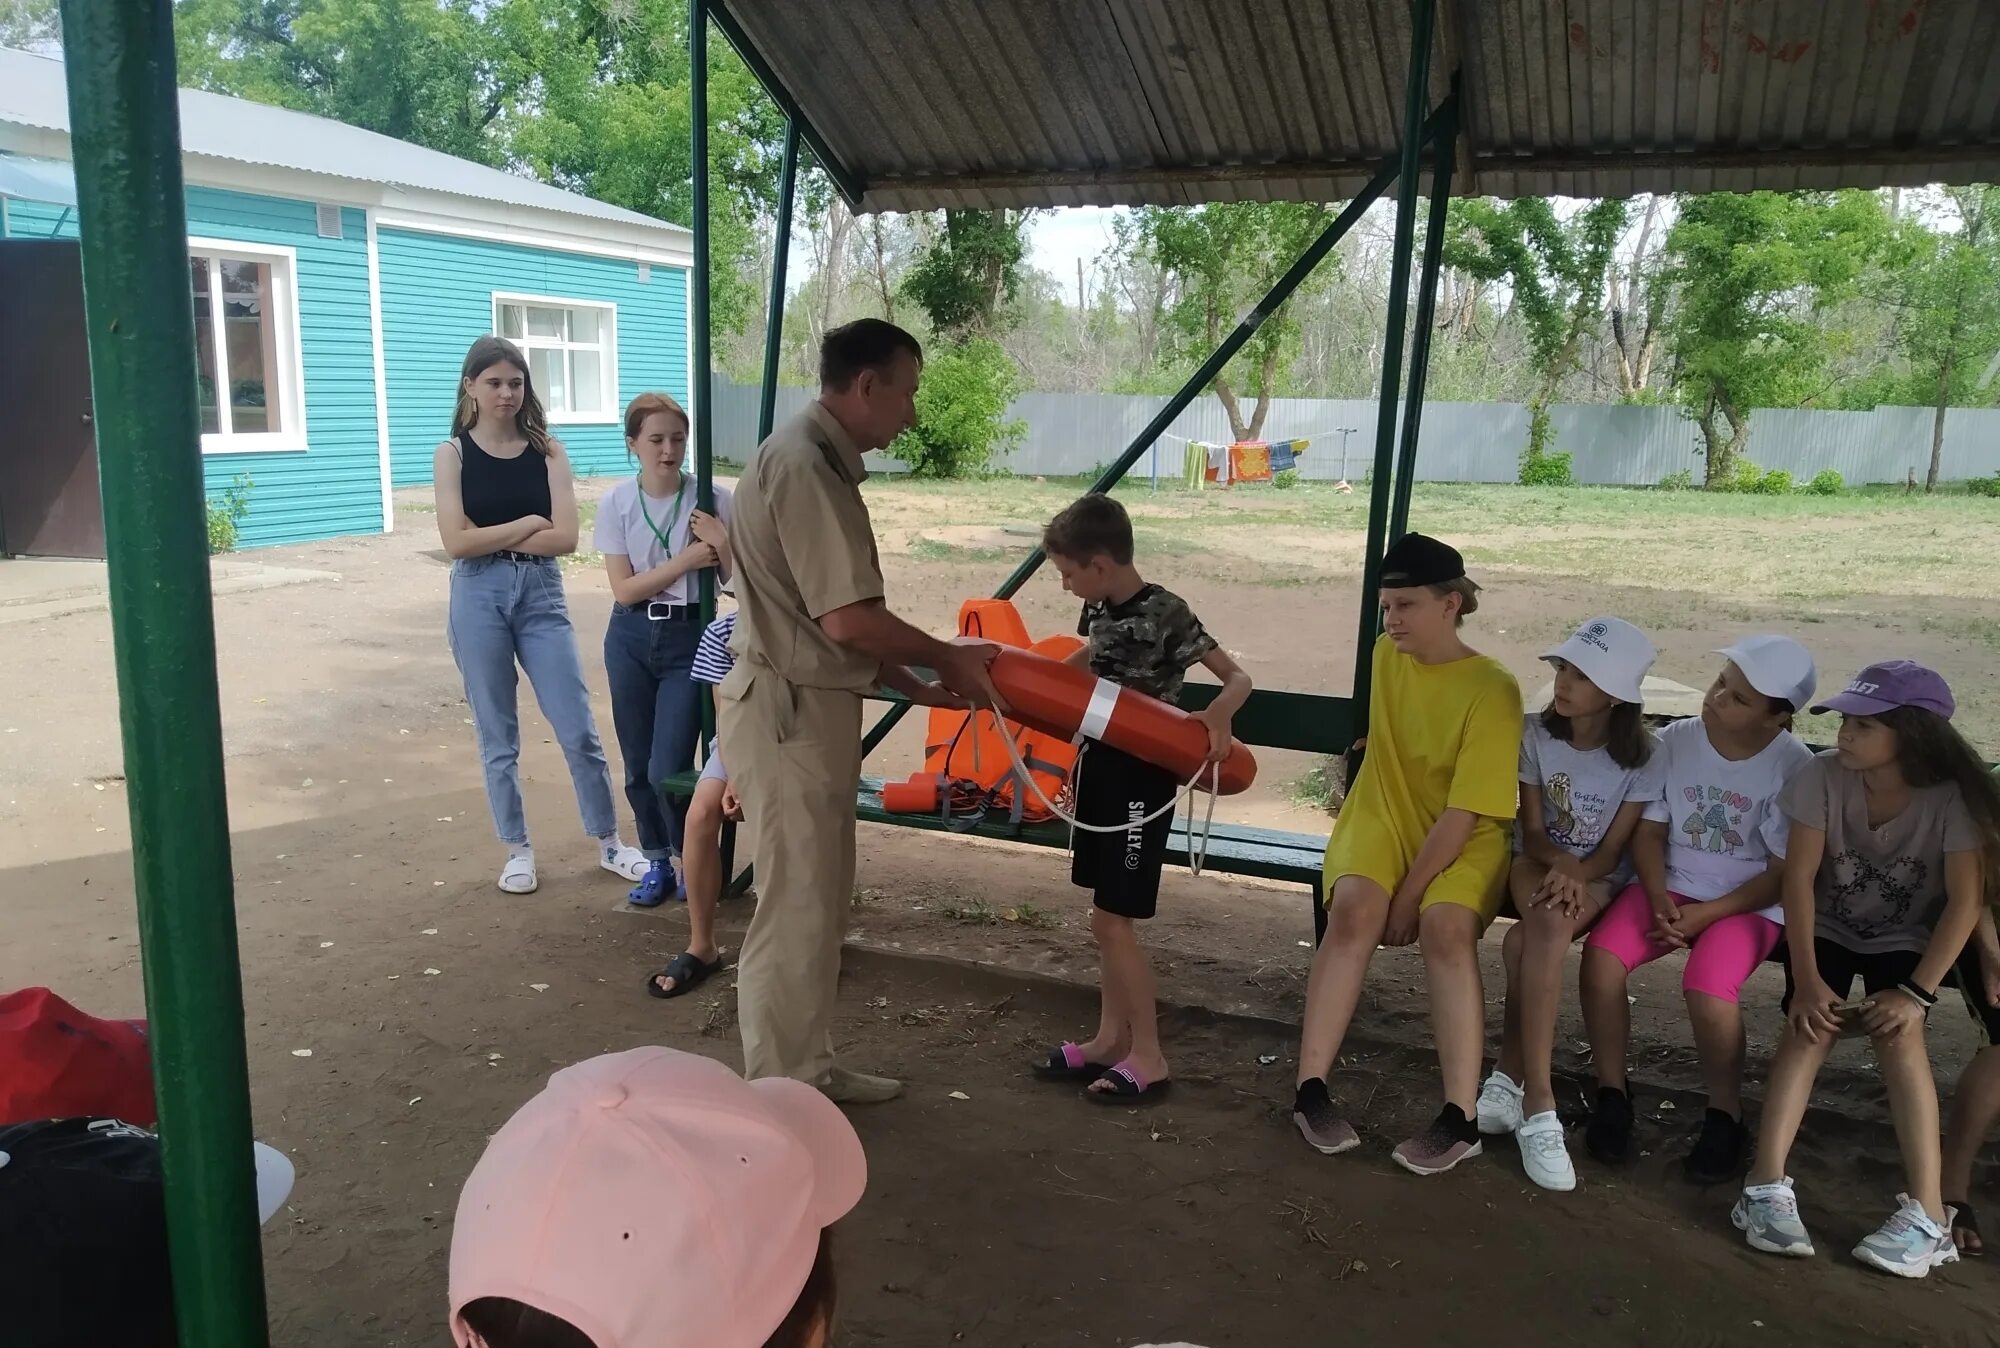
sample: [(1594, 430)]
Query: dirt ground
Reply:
[(1018, 1216)]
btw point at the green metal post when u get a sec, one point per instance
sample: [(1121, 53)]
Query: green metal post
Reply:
[(1196, 384), (699, 359), (1416, 88), (781, 250), (125, 141), (1446, 149)]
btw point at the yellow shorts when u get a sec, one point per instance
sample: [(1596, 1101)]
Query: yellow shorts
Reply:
[(1367, 844)]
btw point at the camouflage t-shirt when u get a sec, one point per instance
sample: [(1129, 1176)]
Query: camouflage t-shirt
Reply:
[(1146, 643)]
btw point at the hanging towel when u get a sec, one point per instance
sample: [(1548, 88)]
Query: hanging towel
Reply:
[(1285, 455), (1194, 466), (1250, 461)]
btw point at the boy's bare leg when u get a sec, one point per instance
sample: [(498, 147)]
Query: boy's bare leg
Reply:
[(1356, 916), (701, 868), (1124, 961), (1114, 1020), (1449, 935)]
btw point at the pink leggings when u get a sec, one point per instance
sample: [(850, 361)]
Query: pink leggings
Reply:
[(1722, 956)]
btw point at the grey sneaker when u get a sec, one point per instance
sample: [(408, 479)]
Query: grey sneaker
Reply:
[(1320, 1123), (1909, 1244), (1439, 1147), (1768, 1217), (844, 1087), (1499, 1107)]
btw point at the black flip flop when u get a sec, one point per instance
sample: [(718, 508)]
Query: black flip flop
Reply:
[(1059, 1067), (1965, 1218), (1128, 1088), (688, 972)]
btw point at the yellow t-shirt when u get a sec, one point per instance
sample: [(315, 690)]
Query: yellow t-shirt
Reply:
[(1439, 737)]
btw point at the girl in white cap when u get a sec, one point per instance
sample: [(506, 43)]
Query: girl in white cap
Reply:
[(1588, 771), (1708, 854), (1894, 838)]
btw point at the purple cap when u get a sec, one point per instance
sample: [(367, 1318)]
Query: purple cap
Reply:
[(1892, 684)]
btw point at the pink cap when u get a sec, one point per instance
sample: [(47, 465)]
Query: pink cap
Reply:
[(655, 1199)]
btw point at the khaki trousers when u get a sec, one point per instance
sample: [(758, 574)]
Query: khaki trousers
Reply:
[(794, 756)]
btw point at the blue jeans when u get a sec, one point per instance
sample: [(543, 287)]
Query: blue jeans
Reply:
[(505, 609), (656, 709)]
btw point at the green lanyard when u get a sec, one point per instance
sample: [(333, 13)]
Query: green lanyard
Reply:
[(673, 514)]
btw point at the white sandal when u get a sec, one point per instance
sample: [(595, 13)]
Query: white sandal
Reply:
[(628, 862), (518, 875)]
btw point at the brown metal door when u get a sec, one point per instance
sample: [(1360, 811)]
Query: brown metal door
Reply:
[(48, 455)]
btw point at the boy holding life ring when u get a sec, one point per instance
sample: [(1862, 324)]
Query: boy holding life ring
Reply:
[(1144, 638), (1420, 850)]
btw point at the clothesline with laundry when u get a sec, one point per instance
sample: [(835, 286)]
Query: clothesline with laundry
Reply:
[(1203, 462)]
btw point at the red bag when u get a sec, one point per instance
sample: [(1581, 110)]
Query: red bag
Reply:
[(58, 1063)]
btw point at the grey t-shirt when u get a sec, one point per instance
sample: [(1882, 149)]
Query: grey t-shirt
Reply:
[(1878, 889)]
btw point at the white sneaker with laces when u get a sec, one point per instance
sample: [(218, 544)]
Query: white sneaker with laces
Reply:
[(1768, 1217), (1909, 1244), (1499, 1107), (629, 862), (1544, 1154)]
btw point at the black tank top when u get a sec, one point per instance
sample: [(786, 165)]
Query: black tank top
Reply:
[(500, 491)]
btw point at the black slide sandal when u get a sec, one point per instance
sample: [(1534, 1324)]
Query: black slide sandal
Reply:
[(1066, 1063), (1965, 1218), (686, 970), (1127, 1088)]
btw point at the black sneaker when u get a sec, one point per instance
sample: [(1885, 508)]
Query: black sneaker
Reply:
[(1609, 1135), (1720, 1153)]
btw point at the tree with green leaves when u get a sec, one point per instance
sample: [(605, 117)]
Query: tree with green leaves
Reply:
[(1556, 269), (1946, 288), (1218, 260), (590, 95), (968, 273), (30, 25), (1752, 278)]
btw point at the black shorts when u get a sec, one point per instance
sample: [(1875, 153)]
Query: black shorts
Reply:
[(1121, 870), (1883, 970)]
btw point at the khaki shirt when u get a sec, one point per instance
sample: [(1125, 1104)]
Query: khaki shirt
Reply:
[(804, 547)]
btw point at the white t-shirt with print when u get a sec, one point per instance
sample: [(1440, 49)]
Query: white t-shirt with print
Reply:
[(1722, 817), (1582, 790), (622, 530)]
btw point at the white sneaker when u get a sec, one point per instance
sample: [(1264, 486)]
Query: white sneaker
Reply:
[(628, 862), (1499, 1107), (1544, 1155), (1768, 1217), (1909, 1244)]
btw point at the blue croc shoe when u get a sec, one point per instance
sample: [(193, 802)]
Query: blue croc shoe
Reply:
[(656, 887)]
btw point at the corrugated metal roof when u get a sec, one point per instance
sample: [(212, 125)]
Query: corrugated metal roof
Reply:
[(33, 94), (963, 103)]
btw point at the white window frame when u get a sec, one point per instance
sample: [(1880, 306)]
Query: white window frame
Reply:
[(607, 350), (291, 371)]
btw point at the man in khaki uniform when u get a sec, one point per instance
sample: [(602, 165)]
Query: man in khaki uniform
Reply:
[(812, 637)]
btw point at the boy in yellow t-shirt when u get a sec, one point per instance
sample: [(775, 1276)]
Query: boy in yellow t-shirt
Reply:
[(1420, 850)]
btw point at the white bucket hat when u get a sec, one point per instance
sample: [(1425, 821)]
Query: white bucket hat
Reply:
[(1776, 667), (1611, 653)]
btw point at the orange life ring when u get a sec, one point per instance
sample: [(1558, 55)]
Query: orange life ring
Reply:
[(1066, 700)]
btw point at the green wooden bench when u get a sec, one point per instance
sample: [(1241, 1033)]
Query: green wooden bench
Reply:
[(1313, 723)]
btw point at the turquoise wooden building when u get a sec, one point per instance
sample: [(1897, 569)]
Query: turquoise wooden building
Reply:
[(338, 277)]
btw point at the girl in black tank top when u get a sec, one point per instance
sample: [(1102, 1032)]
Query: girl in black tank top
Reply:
[(504, 521), (499, 491)]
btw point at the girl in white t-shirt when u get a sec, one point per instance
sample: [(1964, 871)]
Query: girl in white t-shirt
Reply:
[(656, 542), (1588, 771), (1708, 854)]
